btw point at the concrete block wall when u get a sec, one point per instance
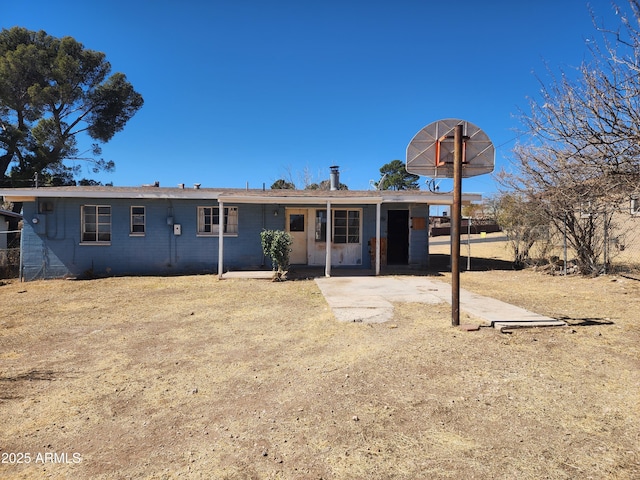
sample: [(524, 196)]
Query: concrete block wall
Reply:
[(52, 246)]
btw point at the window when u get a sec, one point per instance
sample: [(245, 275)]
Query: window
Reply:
[(296, 222), (209, 220), (346, 226), (340, 226), (321, 225), (137, 221), (96, 224)]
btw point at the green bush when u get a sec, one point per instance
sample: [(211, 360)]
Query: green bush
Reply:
[(276, 244)]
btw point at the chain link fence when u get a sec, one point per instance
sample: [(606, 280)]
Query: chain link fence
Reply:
[(10, 256), (616, 237), (622, 254), (9, 263)]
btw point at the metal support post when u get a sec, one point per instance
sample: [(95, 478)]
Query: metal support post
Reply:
[(220, 239), (468, 244), (456, 214)]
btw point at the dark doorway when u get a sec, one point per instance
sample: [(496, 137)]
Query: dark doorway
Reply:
[(398, 237)]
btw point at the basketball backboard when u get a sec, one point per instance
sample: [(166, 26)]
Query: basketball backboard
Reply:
[(430, 152)]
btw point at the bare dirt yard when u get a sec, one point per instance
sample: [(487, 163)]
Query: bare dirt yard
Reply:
[(193, 377)]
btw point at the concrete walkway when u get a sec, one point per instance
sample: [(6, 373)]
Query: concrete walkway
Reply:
[(370, 299)]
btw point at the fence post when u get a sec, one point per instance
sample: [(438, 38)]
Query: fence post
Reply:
[(606, 242), (564, 244)]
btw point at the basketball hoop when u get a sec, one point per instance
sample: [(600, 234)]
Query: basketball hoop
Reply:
[(431, 151), (451, 149)]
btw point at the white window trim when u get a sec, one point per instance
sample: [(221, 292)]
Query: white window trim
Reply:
[(215, 226), (144, 224), (333, 225), (82, 226)]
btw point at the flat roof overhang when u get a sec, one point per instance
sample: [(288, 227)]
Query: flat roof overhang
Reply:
[(300, 197), (11, 195)]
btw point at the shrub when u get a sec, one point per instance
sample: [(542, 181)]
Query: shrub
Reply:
[(276, 244)]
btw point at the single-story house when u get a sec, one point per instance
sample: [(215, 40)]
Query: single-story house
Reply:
[(73, 231)]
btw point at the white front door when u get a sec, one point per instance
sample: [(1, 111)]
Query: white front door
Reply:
[(297, 228)]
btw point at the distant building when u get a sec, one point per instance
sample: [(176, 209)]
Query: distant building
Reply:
[(7, 219)]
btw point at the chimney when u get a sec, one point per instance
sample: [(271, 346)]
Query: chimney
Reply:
[(196, 186), (334, 178)]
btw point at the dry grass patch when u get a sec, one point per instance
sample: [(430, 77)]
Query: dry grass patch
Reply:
[(191, 377)]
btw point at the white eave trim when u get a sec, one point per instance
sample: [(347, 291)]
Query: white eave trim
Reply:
[(30, 195), (302, 200), (432, 199)]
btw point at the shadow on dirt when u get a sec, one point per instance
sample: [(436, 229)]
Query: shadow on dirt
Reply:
[(586, 322), (31, 376), (442, 263), (439, 264)]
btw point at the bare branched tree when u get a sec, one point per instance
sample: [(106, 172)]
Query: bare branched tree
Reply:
[(582, 153), (522, 221)]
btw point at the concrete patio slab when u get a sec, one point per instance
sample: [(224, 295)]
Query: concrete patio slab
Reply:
[(365, 298), (370, 299)]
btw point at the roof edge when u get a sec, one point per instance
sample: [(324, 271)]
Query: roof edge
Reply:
[(284, 197)]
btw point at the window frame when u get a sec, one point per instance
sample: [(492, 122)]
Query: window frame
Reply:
[(320, 225), (345, 230), (132, 223), (297, 222), (230, 221), (96, 213)]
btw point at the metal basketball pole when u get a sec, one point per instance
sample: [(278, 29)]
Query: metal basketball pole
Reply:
[(429, 153), (456, 214)]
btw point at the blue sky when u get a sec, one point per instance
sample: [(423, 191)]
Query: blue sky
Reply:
[(249, 91)]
